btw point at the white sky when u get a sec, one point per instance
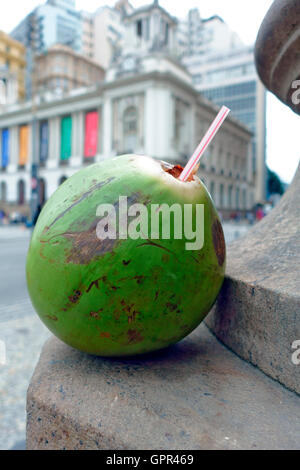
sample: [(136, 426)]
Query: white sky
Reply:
[(244, 17)]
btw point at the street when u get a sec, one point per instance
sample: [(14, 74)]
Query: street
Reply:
[(22, 333)]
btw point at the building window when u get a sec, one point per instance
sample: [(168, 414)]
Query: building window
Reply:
[(42, 191), (221, 195), (237, 198), (167, 33), (3, 190), (230, 197), (130, 129), (21, 192), (244, 199), (212, 189), (61, 180), (139, 28)]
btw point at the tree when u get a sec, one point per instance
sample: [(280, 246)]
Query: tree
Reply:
[(274, 184)]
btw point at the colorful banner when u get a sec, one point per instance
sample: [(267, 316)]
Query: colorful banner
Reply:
[(44, 138), (5, 148), (91, 134), (24, 145), (66, 138)]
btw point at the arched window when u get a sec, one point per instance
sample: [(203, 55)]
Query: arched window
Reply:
[(130, 129), (3, 191), (212, 189), (221, 196), (61, 180), (237, 198), (21, 192), (230, 189), (42, 191), (244, 199)]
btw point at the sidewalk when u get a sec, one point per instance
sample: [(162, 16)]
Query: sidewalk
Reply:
[(7, 232)]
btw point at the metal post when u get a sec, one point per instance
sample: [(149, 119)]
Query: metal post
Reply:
[(34, 157)]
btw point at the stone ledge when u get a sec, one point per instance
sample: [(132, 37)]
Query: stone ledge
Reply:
[(257, 314), (195, 395)]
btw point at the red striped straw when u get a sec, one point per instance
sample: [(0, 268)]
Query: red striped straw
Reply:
[(210, 134)]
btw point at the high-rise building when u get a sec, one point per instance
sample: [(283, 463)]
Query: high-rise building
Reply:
[(12, 69), (108, 35), (223, 70), (231, 79), (87, 39), (56, 21), (103, 32)]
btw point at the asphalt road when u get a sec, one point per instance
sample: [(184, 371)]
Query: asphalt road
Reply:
[(13, 292), (22, 333)]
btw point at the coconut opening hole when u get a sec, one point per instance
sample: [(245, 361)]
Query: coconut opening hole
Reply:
[(175, 171)]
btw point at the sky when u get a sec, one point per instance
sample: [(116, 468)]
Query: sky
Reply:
[(244, 17)]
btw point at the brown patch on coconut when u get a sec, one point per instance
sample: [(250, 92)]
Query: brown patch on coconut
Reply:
[(134, 336), (219, 241), (86, 246)]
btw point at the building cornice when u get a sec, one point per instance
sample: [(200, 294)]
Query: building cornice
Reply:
[(99, 90)]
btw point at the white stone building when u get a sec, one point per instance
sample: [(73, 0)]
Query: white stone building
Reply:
[(147, 105)]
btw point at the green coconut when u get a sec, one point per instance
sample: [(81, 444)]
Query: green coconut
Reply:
[(123, 296)]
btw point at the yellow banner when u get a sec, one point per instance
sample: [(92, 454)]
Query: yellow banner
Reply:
[(24, 144)]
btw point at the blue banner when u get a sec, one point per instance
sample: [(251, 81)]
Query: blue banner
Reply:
[(5, 148), (44, 138)]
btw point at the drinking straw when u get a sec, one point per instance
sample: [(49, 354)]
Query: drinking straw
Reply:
[(210, 134)]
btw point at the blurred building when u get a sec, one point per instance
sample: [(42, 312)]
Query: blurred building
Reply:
[(56, 21), (12, 69), (87, 39), (223, 70), (147, 105), (198, 36), (107, 31), (61, 70), (230, 78)]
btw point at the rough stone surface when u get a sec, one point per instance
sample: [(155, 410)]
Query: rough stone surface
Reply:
[(195, 395), (277, 50), (258, 311), (257, 314)]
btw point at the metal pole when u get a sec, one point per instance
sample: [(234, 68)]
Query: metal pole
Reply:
[(34, 157)]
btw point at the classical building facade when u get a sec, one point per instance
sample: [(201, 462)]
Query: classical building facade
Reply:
[(146, 105), (155, 113)]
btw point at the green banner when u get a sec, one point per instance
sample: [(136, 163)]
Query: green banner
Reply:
[(66, 138)]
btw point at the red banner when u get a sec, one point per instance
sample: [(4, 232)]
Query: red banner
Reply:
[(91, 134)]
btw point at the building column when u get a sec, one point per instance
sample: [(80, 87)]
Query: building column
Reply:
[(77, 138), (158, 135), (13, 149), (149, 124), (107, 127), (54, 143), (100, 130)]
